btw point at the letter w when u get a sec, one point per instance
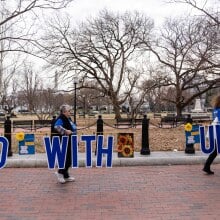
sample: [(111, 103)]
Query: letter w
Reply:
[(56, 152)]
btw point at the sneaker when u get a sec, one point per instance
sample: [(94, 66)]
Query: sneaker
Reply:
[(70, 179), (208, 171), (60, 177)]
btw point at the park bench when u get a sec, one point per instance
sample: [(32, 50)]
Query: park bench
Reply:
[(137, 121), (31, 124), (173, 120), (91, 115), (128, 121), (123, 121), (81, 115), (181, 120), (168, 120), (41, 124), (24, 124), (2, 121), (201, 118), (157, 115)]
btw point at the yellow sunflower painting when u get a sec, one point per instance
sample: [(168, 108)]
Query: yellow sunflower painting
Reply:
[(19, 136), (127, 151), (125, 145), (188, 127)]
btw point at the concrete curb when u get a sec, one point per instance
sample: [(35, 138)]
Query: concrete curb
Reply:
[(154, 159)]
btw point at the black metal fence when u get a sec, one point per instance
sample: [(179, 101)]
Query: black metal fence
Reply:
[(34, 125)]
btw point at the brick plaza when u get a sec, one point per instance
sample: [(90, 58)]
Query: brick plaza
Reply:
[(118, 193)]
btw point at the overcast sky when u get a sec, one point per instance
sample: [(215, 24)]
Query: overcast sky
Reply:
[(156, 9)]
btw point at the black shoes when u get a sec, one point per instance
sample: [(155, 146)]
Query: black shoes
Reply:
[(208, 171)]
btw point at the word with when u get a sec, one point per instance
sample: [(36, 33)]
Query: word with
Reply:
[(214, 138), (56, 150)]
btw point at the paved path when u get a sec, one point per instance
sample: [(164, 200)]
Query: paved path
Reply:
[(118, 193), (155, 158)]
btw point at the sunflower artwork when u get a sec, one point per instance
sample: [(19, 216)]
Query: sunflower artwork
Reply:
[(125, 145), (192, 133), (25, 143)]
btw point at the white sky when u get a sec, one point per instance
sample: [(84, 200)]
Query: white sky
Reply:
[(156, 9)]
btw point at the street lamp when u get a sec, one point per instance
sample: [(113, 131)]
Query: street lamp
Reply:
[(84, 106), (75, 81)]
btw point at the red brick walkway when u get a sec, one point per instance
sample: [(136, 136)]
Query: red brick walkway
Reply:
[(127, 193)]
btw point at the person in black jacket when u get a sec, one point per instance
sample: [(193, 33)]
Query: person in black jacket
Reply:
[(65, 127), (216, 120)]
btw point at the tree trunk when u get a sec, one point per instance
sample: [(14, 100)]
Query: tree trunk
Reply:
[(117, 111), (179, 109)]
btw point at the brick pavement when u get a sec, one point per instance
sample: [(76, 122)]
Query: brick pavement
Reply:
[(127, 193)]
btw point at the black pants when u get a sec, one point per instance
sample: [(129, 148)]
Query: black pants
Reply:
[(67, 163), (211, 158)]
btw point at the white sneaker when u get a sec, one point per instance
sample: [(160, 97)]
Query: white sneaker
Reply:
[(70, 179), (60, 177)]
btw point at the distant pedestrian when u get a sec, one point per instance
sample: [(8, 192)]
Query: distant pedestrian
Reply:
[(216, 120), (65, 127)]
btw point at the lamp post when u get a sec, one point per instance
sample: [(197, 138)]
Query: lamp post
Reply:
[(75, 81), (84, 106)]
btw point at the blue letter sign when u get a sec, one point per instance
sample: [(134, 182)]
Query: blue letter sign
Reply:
[(4, 151), (214, 138), (56, 149)]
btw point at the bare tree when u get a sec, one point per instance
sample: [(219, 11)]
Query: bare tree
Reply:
[(209, 12), (48, 102), (212, 12), (31, 93), (30, 84), (17, 8), (102, 49), (17, 18), (187, 51), (9, 82)]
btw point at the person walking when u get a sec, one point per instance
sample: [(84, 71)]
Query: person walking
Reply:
[(65, 127), (216, 120)]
